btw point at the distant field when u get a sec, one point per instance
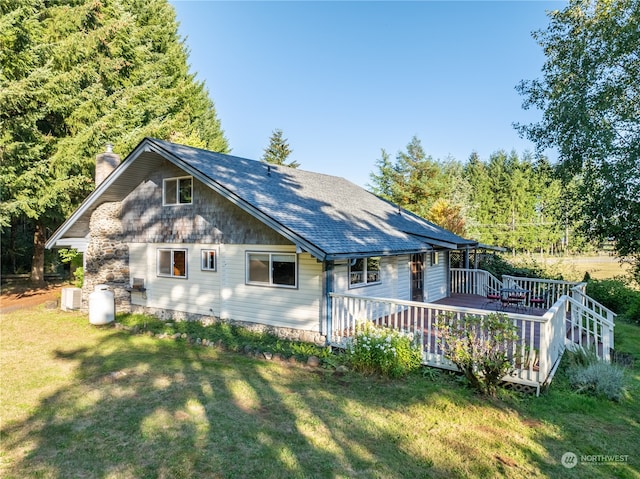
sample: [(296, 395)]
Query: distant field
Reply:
[(573, 268)]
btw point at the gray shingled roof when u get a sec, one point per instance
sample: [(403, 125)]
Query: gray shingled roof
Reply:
[(336, 217)]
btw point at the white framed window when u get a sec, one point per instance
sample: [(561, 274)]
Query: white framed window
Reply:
[(208, 259), (172, 263), (272, 269), (364, 271), (177, 191), (434, 258)]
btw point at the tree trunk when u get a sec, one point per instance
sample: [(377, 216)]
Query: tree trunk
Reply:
[(37, 263)]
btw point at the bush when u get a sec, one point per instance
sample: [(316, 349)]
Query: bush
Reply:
[(385, 351), (599, 379), (479, 346), (230, 336), (617, 295), (497, 266)]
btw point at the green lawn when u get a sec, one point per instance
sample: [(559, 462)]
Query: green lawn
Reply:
[(84, 402)]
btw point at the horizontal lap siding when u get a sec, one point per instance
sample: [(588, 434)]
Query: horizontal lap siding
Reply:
[(395, 280), (284, 307), (199, 293), (223, 293), (436, 278)]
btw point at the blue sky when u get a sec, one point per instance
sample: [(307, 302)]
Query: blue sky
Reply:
[(345, 79)]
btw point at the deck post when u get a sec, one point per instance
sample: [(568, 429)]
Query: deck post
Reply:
[(328, 288)]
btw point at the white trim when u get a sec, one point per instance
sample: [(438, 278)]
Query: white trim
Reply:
[(270, 254), (177, 179), (365, 274), (172, 251), (204, 266)]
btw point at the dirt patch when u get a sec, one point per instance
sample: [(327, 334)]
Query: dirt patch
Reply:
[(22, 296)]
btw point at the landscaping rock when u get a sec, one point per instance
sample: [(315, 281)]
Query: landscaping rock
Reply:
[(267, 355), (313, 361), (342, 369)]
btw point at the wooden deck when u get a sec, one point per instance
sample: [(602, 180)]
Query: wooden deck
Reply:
[(568, 317), (480, 302)]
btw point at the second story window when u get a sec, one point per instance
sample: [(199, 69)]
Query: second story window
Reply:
[(177, 191)]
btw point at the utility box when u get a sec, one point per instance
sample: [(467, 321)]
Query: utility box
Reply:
[(102, 307), (71, 299)]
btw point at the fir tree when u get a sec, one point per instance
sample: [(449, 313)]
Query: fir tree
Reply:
[(76, 76), (278, 151)]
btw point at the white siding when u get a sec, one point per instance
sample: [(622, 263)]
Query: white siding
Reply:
[(436, 278), (395, 276), (297, 308), (199, 293), (224, 293)]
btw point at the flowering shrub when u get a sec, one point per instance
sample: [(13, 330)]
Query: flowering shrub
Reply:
[(385, 351), (479, 347)]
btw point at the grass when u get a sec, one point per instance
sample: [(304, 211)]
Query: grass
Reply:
[(573, 268), (95, 402)]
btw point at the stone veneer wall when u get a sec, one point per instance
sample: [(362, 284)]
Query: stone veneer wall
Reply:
[(107, 257)]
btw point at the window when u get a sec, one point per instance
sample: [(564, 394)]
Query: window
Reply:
[(272, 269), (434, 258), (177, 191), (172, 263), (208, 260), (364, 271)]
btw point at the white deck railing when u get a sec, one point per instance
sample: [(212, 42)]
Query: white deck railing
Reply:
[(480, 282), (572, 318), (591, 323), (535, 354)]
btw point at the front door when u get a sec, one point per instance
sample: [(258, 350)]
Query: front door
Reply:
[(417, 277)]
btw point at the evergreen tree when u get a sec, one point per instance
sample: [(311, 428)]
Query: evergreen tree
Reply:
[(431, 189), (278, 151), (76, 76)]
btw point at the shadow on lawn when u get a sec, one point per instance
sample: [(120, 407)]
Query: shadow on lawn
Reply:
[(142, 407)]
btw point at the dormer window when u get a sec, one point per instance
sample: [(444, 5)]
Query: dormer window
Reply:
[(177, 191)]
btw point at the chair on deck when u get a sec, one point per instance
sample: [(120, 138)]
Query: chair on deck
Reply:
[(510, 297), (539, 301), (492, 296)]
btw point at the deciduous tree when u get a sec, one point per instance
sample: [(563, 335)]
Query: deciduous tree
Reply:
[(589, 95)]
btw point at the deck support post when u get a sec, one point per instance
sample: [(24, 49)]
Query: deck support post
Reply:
[(327, 286)]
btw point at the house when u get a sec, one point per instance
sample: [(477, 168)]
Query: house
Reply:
[(186, 233)]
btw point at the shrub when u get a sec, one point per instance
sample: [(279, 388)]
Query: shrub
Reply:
[(480, 347), (598, 379), (78, 277), (389, 352), (497, 266), (617, 295)]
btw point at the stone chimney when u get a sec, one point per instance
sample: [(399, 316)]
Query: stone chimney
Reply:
[(105, 163)]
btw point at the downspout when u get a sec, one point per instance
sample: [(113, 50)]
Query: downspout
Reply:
[(327, 287)]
